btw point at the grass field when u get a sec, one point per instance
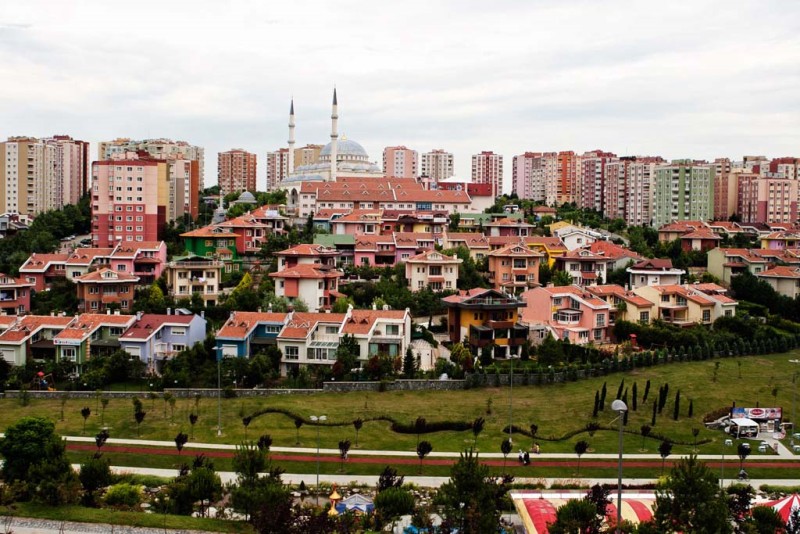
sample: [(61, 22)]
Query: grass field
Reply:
[(557, 409), (115, 517)]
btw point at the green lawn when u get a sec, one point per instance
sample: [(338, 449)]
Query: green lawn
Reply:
[(557, 409), (114, 517)]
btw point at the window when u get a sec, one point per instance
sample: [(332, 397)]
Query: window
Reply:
[(178, 331), (177, 347), (664, 298), (121, 267), (124, 304), (392, 329), (706, 316), (331, 330), (644, 317), (601, 319), (69, 354)]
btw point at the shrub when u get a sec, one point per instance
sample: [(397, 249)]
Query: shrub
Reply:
[(124, 495)]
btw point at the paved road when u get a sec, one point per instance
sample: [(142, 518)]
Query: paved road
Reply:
[(24, 525)]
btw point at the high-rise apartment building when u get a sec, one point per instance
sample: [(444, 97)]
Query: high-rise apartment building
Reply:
[(526, 182), (590, 190), (437, 165), (767, 200), (726, 189), (487, 168), (38, 175), (783, 167), (236, 171), (158, 148), (684, 191), (400, 162), (134, 195), (560, 177), (629, 188)]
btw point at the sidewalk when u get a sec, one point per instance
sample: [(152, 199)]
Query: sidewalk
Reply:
[(783, 452)]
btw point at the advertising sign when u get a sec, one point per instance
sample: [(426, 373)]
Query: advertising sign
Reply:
[(757, 414)]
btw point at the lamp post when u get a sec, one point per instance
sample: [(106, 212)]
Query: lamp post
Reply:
[(620, 407), (317, 420), (722, 469), (219, 390), (511, 399)]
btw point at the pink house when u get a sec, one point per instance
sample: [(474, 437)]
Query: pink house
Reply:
[(569, 312), (358, 222), (145, 259), (509, 227)]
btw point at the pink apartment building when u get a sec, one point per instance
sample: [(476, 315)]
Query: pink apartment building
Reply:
[(125, 200), (767, 200), (592, 179), (400, 162)]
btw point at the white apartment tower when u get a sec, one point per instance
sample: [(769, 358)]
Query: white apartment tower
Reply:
[(437, 165)]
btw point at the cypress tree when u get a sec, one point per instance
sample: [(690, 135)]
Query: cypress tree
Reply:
[(596, 403), (677, 411), (619, 389), (691, 407), (653, 421), (635, 395), (603, 398), (646, 392)]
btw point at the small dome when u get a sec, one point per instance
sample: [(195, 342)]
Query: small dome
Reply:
[(246, 197), (346, 147)]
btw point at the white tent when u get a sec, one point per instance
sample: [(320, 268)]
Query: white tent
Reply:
[(744, 427)]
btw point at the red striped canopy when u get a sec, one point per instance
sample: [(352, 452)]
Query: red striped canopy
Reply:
[(785, 506), (537, 509)]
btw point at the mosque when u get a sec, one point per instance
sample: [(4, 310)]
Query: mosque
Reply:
[(343, 158)]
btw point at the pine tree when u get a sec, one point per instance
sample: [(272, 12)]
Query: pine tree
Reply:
[(677, 411), (603, 397)]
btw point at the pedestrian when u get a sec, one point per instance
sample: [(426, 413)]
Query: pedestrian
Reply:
[(536, 448), (520, 457), (527, 458)]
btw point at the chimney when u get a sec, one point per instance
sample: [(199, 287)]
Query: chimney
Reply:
[(259, 309), (169, 311), (108, 311), (116, 312), (203, 314), (138, 316), (374, 306)]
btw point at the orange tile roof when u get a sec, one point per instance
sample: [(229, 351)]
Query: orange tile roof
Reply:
[(361, 216), (208, 231), (99, 276), (693, 295), (577, 291), (467, 294), (781, 271), (306, 270), (620, 292), (30, 324), (549, 242), (703, 233), (412, 239), (612, 250), (131, 250), (85, 256), (301, 323), (241, 323), (307, 249), (13, 282), (425, 257), (516, 249), (37, 262), (362, 321)]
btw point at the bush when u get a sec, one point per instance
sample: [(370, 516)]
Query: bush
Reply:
[(124, 495), (394, 502)]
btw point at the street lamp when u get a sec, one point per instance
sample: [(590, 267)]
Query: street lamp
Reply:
[(726, 443), (318, 420), (219, 390), (620, 407), (510, 398)]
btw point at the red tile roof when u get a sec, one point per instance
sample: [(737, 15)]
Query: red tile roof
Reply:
[(433, 256), (301, 323), (40, 262), (781, 272), (106, 275), (308, 249), (150, 323), (362, 321), (30, 324), (306, 270), (241, 323)]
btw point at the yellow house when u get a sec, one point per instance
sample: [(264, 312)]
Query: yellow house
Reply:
[(680, 305), (486, 318), (551, 247)]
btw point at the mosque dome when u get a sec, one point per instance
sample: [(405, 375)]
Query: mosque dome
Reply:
[(346, 148), (246, 198)]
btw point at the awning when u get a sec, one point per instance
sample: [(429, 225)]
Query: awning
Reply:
[(537, 509), (743, 421)]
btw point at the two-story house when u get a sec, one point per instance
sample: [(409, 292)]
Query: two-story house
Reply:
[(15, 295), (105, 290), (681, 305), (514, 268), (88, 335), (307, 253), (309, 339), (625, 304), (216, 242), (784, 279), (145, 259), (30, 338), (701, 239), (476, 243), (378, 332), (155, 338), (654, 272), (314, 284), (486, 318), (592, 265), (432, 270), (83, 260), (358, 222), (42, 269), (570, 312), (245, 334), (188, 275), (725, 263), (509, 227)]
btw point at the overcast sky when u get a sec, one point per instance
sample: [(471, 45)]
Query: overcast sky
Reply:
[(699, 79)]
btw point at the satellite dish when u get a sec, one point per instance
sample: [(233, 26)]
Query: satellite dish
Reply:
[(619, 406)]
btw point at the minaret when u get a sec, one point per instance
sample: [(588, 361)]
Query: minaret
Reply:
[(291, 139), (334, 136)]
